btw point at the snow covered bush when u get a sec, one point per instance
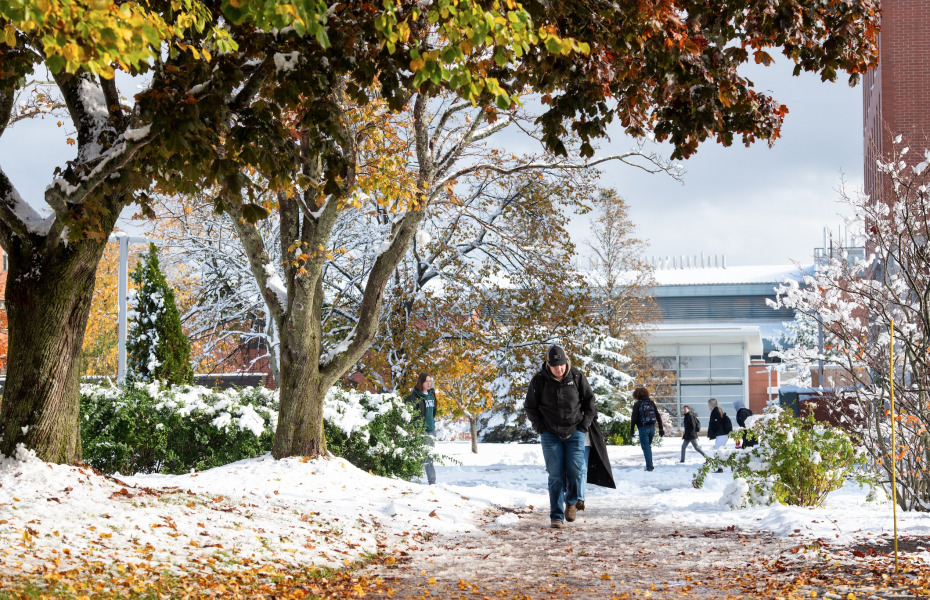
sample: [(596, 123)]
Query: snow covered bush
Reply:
[(375, 432), (151, 428), (157, 347), (857, 298), (798, 461)]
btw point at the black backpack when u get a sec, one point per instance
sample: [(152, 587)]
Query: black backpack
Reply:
[(727, 424), (695, 422), (647, 413)]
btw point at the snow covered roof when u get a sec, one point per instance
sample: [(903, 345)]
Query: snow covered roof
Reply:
[(681, 333), (773, 274)]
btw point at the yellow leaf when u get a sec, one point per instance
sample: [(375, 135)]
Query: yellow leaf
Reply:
[(9, 35), (403, 32)]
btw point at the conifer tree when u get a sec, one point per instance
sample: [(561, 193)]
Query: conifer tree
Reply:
[(157, 348)]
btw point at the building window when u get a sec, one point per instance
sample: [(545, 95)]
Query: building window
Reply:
[(701, 372)]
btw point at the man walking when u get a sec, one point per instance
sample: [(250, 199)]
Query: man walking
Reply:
[(645, 417), (692, 429), (560, 406)]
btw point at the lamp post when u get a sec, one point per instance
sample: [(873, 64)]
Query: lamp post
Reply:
[(122, 292)]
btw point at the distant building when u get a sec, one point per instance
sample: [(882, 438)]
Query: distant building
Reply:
[(894, 94), (717, 332)]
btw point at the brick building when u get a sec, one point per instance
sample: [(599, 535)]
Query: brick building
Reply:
[(895, 93)]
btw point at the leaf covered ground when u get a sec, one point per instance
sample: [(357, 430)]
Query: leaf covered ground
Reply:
[(324, 529)]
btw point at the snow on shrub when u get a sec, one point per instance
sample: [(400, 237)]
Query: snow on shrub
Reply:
[(152, 428), (376, 432), (796, 462)]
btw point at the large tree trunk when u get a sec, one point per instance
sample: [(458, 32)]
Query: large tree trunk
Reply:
[(301, 392), (473, 425), (48, 298)]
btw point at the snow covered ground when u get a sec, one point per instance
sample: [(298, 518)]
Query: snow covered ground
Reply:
[(327, 512)]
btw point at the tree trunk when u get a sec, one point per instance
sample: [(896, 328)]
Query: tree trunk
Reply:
[(48, 298), (473, 423), (301, 392)]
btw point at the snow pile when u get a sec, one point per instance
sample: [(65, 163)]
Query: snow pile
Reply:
[(294, 511)]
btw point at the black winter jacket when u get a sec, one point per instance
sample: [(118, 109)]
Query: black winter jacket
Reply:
[(741, 416), (634, 422), (690, 433), (560, 407), (717, 425)]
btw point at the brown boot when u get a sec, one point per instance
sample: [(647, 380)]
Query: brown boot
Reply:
[(556, 525), (570, 512), (580, 505)]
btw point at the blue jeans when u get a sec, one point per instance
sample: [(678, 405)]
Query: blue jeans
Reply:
[(564, 464), (428, 463), (646, 433), (583, 484)]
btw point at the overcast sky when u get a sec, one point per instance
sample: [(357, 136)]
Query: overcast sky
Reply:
[(758, 205)]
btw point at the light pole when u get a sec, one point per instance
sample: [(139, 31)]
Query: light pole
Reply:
[(122, 292)]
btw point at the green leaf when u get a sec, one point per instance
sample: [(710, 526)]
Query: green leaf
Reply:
[(254, 212), (553, 45), (55, 63)]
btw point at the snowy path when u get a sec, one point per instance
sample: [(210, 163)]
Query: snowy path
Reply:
[(655, 536), (623, 544), (609, 551)]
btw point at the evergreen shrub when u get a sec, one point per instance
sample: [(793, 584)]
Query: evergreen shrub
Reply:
[(797, 461), (153, 428), (157, 347), (376, 432)]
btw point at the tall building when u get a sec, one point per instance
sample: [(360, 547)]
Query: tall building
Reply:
[(896, 94)]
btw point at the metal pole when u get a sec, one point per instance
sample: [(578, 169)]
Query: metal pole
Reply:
[(820, 383), (122, 292), (894, 456)]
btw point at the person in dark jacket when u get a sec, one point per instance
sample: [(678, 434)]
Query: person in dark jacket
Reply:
[(560, 406), (646, 418), (424, 398), (690, 435), (719, 427), (743, 413)]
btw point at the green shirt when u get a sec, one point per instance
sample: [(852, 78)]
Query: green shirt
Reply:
[(426, 403)]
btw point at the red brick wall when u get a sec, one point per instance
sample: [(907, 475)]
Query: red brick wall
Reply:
[(895, 93), (758, 386)]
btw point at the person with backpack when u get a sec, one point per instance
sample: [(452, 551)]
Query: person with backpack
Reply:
[(645, 417), (560, 406), (719, 427), (743, 413), (692, 429)]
